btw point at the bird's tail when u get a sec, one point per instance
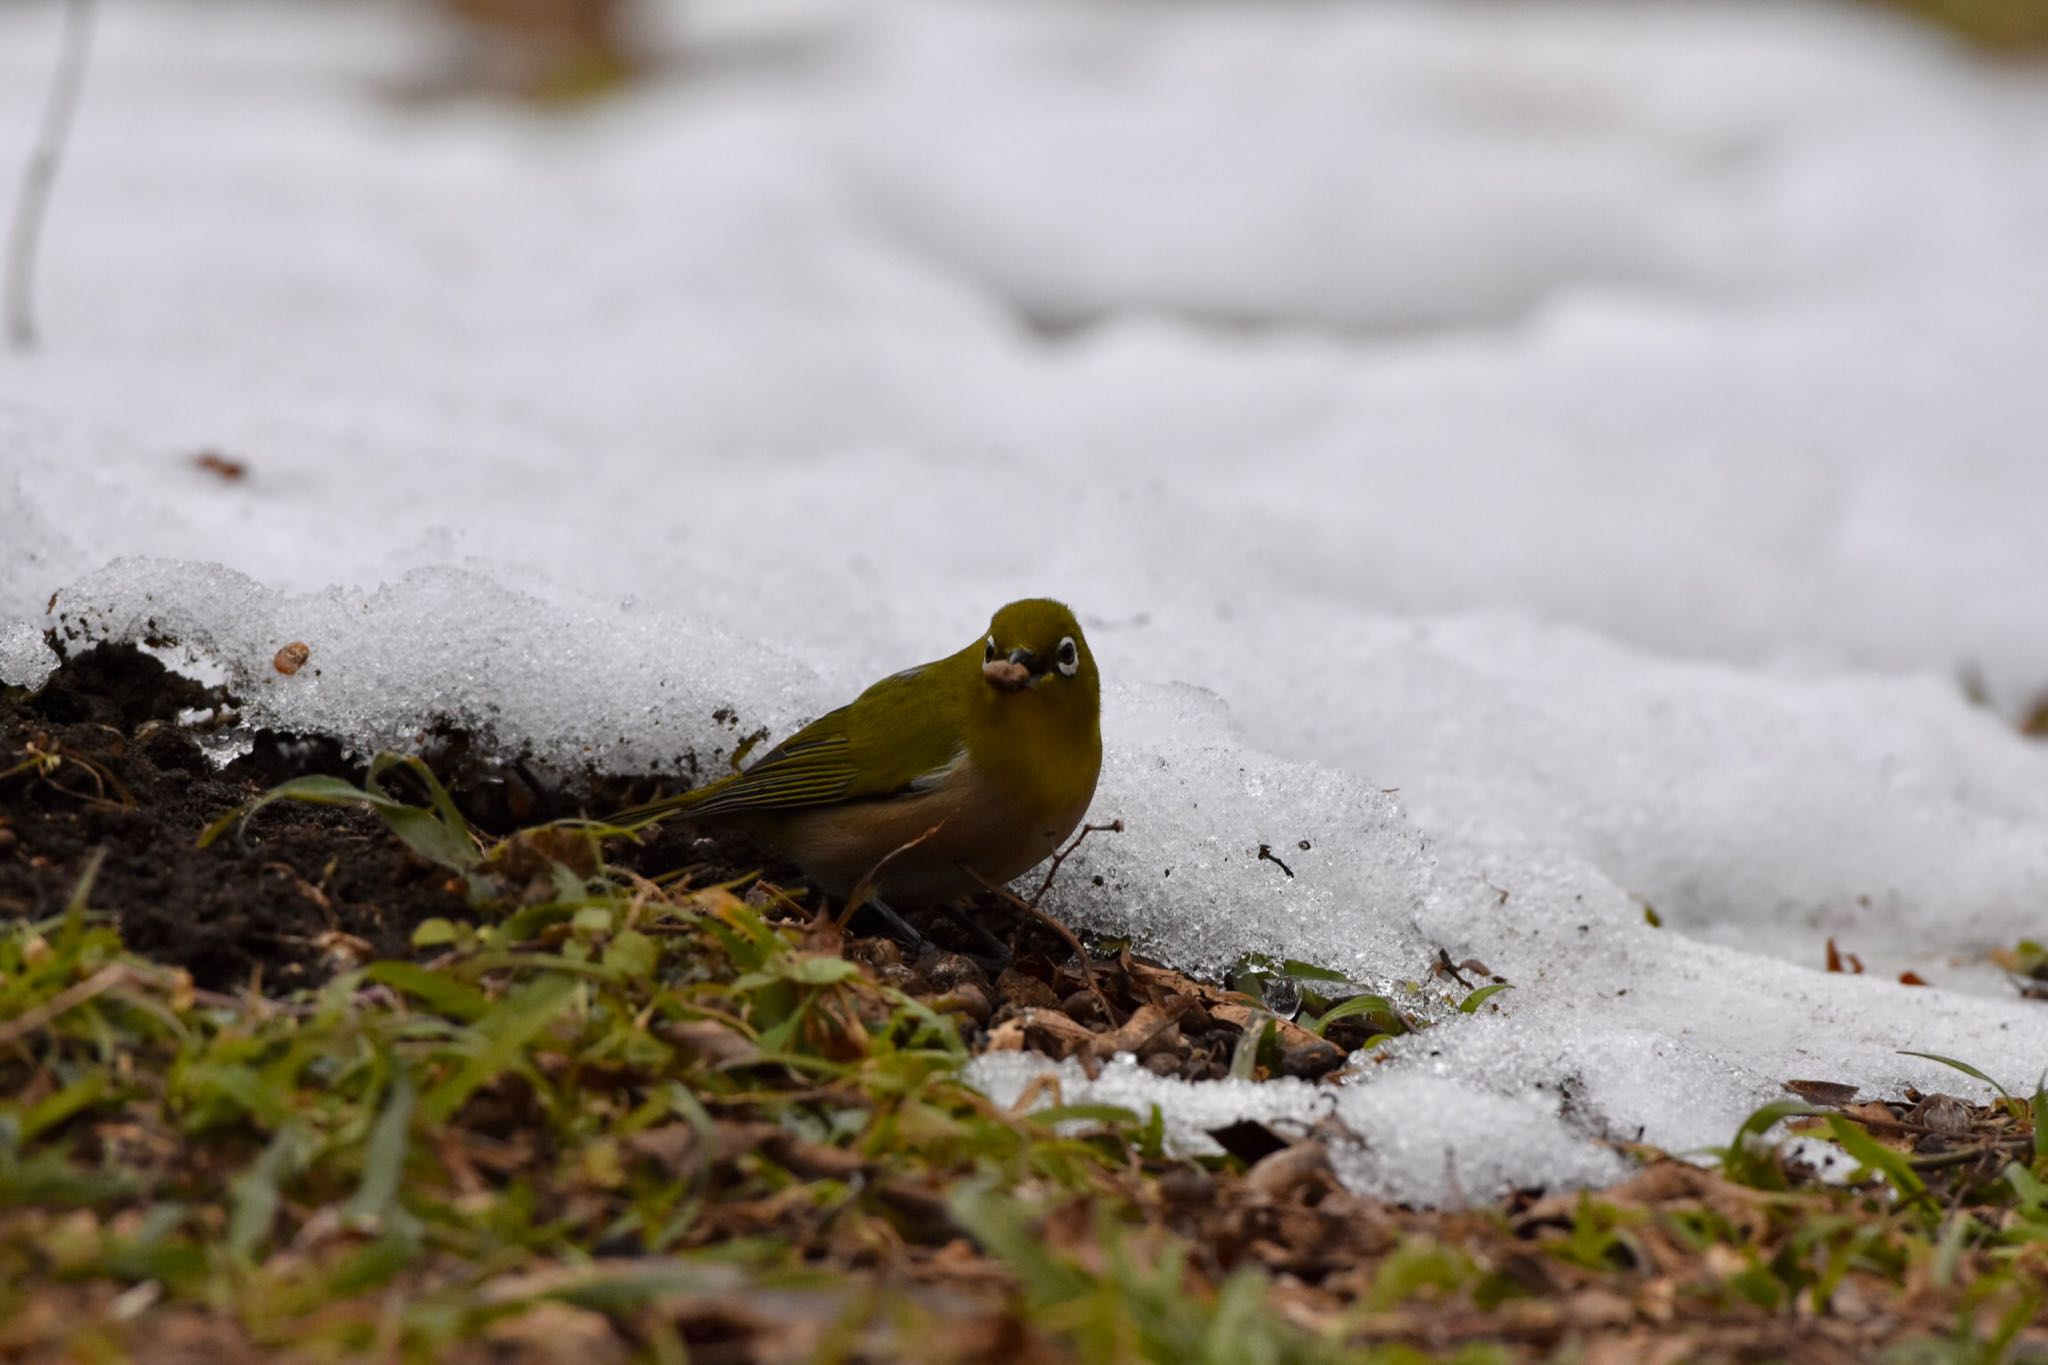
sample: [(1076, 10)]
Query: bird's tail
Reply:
[(653, 812)]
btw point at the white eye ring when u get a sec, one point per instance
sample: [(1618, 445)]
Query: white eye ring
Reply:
[(1069, 657), (988, 654)]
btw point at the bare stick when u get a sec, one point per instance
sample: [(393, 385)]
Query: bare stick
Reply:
[(1080, 953), (40, 177), (66, 1000), (1113, 827), (2007, 1147)]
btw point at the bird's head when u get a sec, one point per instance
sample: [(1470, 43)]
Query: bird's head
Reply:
[(1035, 647)]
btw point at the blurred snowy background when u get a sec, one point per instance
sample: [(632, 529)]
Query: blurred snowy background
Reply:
[(1548, 458)]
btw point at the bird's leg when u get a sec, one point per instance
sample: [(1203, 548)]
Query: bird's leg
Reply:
[(899, 928), (863, 892), (997, 950)]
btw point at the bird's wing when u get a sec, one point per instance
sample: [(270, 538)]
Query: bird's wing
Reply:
[(889, 740)]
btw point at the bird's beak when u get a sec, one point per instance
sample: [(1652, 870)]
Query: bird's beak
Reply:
[(1013, 674), (1006, 675)]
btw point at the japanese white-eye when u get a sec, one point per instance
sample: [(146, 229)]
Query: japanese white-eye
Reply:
[(996, 748)]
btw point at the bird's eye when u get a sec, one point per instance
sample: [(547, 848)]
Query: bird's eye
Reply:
[(988, 652), (1069, 657)]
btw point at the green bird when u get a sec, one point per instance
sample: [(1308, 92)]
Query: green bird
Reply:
[(968, 768)]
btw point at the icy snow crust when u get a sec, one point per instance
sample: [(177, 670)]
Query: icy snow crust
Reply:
[(1546, 461), (1420, 1139)]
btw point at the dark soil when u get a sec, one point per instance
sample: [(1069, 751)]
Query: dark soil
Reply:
[(309, 891), (99, 763)]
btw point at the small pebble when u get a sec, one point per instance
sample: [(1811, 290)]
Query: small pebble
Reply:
[(1188, 1185), (943, 971), (965, 998), (876, 952), (1025, 991), (1081, 1007)]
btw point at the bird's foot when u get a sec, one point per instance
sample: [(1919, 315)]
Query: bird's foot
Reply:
[(899, 928), (998, 952)]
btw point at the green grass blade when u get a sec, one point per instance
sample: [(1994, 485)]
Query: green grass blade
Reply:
[(512, 1023), (254, 1196), (384, 1156), (2037, 1109), (1746, 1167), (438, 991), (1963, 1067), (81, 1094), (1877, 1158), (440, 833), (440, 836), (1351, 1008), (1108, 1115), (1471, 1003), (1244, 1058)]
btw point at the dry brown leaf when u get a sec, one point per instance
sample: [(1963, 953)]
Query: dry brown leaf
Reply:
[(1146, 1027), (708, 1041), (223, 467), (1831, 1093), (1287, 1170), (550, 1331), (1944, 1114)]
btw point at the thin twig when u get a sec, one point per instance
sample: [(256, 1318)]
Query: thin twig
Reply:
[(1963, 1155), (252, 1003), (37, 181), (1080, 953), (66, 1000), (864, 889), (1044, 1083), (1113, 827)]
